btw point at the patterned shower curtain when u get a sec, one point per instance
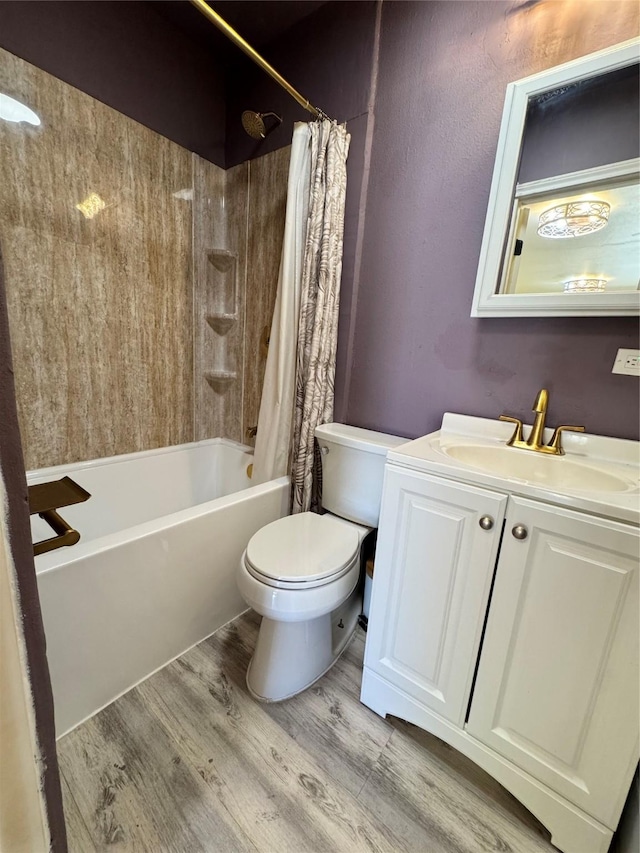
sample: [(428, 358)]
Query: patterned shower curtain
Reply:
[(320, 299)]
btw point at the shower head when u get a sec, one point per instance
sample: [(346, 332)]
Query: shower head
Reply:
[(254, 124)]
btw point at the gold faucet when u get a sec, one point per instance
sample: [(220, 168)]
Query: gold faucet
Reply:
[(535, 441)]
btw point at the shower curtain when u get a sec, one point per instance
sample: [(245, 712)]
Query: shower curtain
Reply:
[(275, 420), (319, 303), (298, 385)]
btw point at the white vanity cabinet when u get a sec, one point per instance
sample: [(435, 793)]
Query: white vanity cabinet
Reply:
[(508, 627), (434, 565), (557, 685)]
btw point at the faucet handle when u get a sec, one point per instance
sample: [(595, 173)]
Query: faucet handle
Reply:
[(556, 439), (517, 433)]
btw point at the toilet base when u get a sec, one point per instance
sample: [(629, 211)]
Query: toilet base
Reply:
[(291, 656)]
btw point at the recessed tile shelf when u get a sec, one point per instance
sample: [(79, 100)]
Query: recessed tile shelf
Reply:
[(221, 282), (221, 323), (221, 314), (221, 380), (222, 259)]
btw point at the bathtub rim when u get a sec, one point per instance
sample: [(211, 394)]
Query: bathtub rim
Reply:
[(63, 557), (65, 467)]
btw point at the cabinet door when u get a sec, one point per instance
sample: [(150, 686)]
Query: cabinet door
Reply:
[(557, 685), (433, 571)]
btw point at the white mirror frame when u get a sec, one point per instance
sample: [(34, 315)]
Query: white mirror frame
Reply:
[(488, 303)]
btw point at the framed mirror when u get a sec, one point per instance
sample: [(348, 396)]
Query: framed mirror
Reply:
[(562, 233)]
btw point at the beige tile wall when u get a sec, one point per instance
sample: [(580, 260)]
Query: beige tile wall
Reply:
[(219, 226), (100, 309), (237, 247), (266, 213), (143, 326)]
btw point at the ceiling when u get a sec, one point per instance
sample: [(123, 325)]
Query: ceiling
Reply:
[(257, 21)]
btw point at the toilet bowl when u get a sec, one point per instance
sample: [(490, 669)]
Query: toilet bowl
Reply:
[(303, 573)]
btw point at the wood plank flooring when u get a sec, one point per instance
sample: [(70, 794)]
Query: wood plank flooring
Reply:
[(188, 761)]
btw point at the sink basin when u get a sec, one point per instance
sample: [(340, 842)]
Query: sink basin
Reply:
[(598, 474), (550, 472)]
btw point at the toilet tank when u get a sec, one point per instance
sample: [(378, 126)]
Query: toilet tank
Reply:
[(352, 470)]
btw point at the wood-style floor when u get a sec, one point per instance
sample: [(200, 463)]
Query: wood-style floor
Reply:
[(188, 761)]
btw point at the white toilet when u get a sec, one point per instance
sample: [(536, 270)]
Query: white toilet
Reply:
[(302, 572)]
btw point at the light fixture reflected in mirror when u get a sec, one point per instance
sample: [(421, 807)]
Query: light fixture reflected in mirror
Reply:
[(585, 285), (574, 219), (15, 112)]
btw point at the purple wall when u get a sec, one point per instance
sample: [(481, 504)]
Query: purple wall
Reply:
[(327, 57), (442, 75), (408, 350), (130, 57)]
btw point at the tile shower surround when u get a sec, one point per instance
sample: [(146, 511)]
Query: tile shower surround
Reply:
[(109, 328), (231, 312)]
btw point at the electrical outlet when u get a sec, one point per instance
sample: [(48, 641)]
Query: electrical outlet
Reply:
[(627, 362)]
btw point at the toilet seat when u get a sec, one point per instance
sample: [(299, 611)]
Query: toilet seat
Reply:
[(302, 551)]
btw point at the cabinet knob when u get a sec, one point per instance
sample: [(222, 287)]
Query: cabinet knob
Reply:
[(520, 531), (486, 522)]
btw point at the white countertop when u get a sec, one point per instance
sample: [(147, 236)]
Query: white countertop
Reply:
[(614, 456)]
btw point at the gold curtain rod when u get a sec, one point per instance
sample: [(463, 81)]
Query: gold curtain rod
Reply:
[(237, 39)]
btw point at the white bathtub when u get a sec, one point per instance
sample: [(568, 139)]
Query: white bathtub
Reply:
[(154, 571)]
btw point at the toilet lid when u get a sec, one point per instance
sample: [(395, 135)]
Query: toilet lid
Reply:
[(302, 548)]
